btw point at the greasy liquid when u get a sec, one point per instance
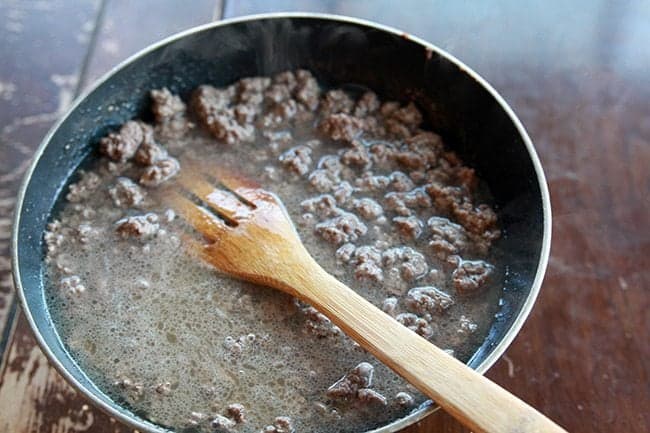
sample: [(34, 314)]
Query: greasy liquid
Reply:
[(153, 315)]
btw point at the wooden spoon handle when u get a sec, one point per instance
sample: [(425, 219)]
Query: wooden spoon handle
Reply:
[(474, 400)]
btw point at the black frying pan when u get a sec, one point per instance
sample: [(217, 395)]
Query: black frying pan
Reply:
[(473, 119)]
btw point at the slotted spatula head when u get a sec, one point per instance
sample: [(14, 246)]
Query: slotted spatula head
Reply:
[(246, 230)]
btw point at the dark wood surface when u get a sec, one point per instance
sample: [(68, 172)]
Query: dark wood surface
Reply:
[(578, 75)]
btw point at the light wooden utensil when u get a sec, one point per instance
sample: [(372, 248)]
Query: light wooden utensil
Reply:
[(250, 236)]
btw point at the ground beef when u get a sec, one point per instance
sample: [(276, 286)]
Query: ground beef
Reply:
[(122, 145), (297, 159), (341, 127), (367, 104), (318, 324), (439, 175), (323, 180), (196, 418), (417, 198), (206, 100), (126, 193), (418, 153), (388, 108), (368, 208), (382, 154), (221, 424), (411, 264), (418, 176), (245, 113), (393, 281), (236, 412), (366, 395), (63, 264), (370, 182), (373, 126), (394, 201), (427, 300), (477, 220), (276, 93), (408, 227), (54, 237), (427, 145), (402, 122), (409, 115), (357, 155), (280, 113), (342, 192), (389, 306), (405, 203), (149, 152), (212, 107), (416, 324), (410, 160), (85, 233), (165, 105), (226, 128), (281, 424), (72, 285), (446, 237), (280, 91), (445, 198), (404, 399), (367, 263), (250, 91), (331, 164), (466, 177), (435, 277), (470, 276), (160, 171), (400, 182), (343, 228), (396, 129), (140, 227), (287, 78), (336, 101), (84, 188), (358, 378), (323, 205), (281, 138), (233, 345), (345, 252), (163, 388), (307, 90)]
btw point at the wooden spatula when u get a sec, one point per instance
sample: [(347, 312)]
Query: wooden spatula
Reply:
[(250, 236)]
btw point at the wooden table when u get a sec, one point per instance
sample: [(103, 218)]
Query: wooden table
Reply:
[(576, 72)]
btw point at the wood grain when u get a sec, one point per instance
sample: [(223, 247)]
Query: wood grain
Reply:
[(576, 74), (41, 61)]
